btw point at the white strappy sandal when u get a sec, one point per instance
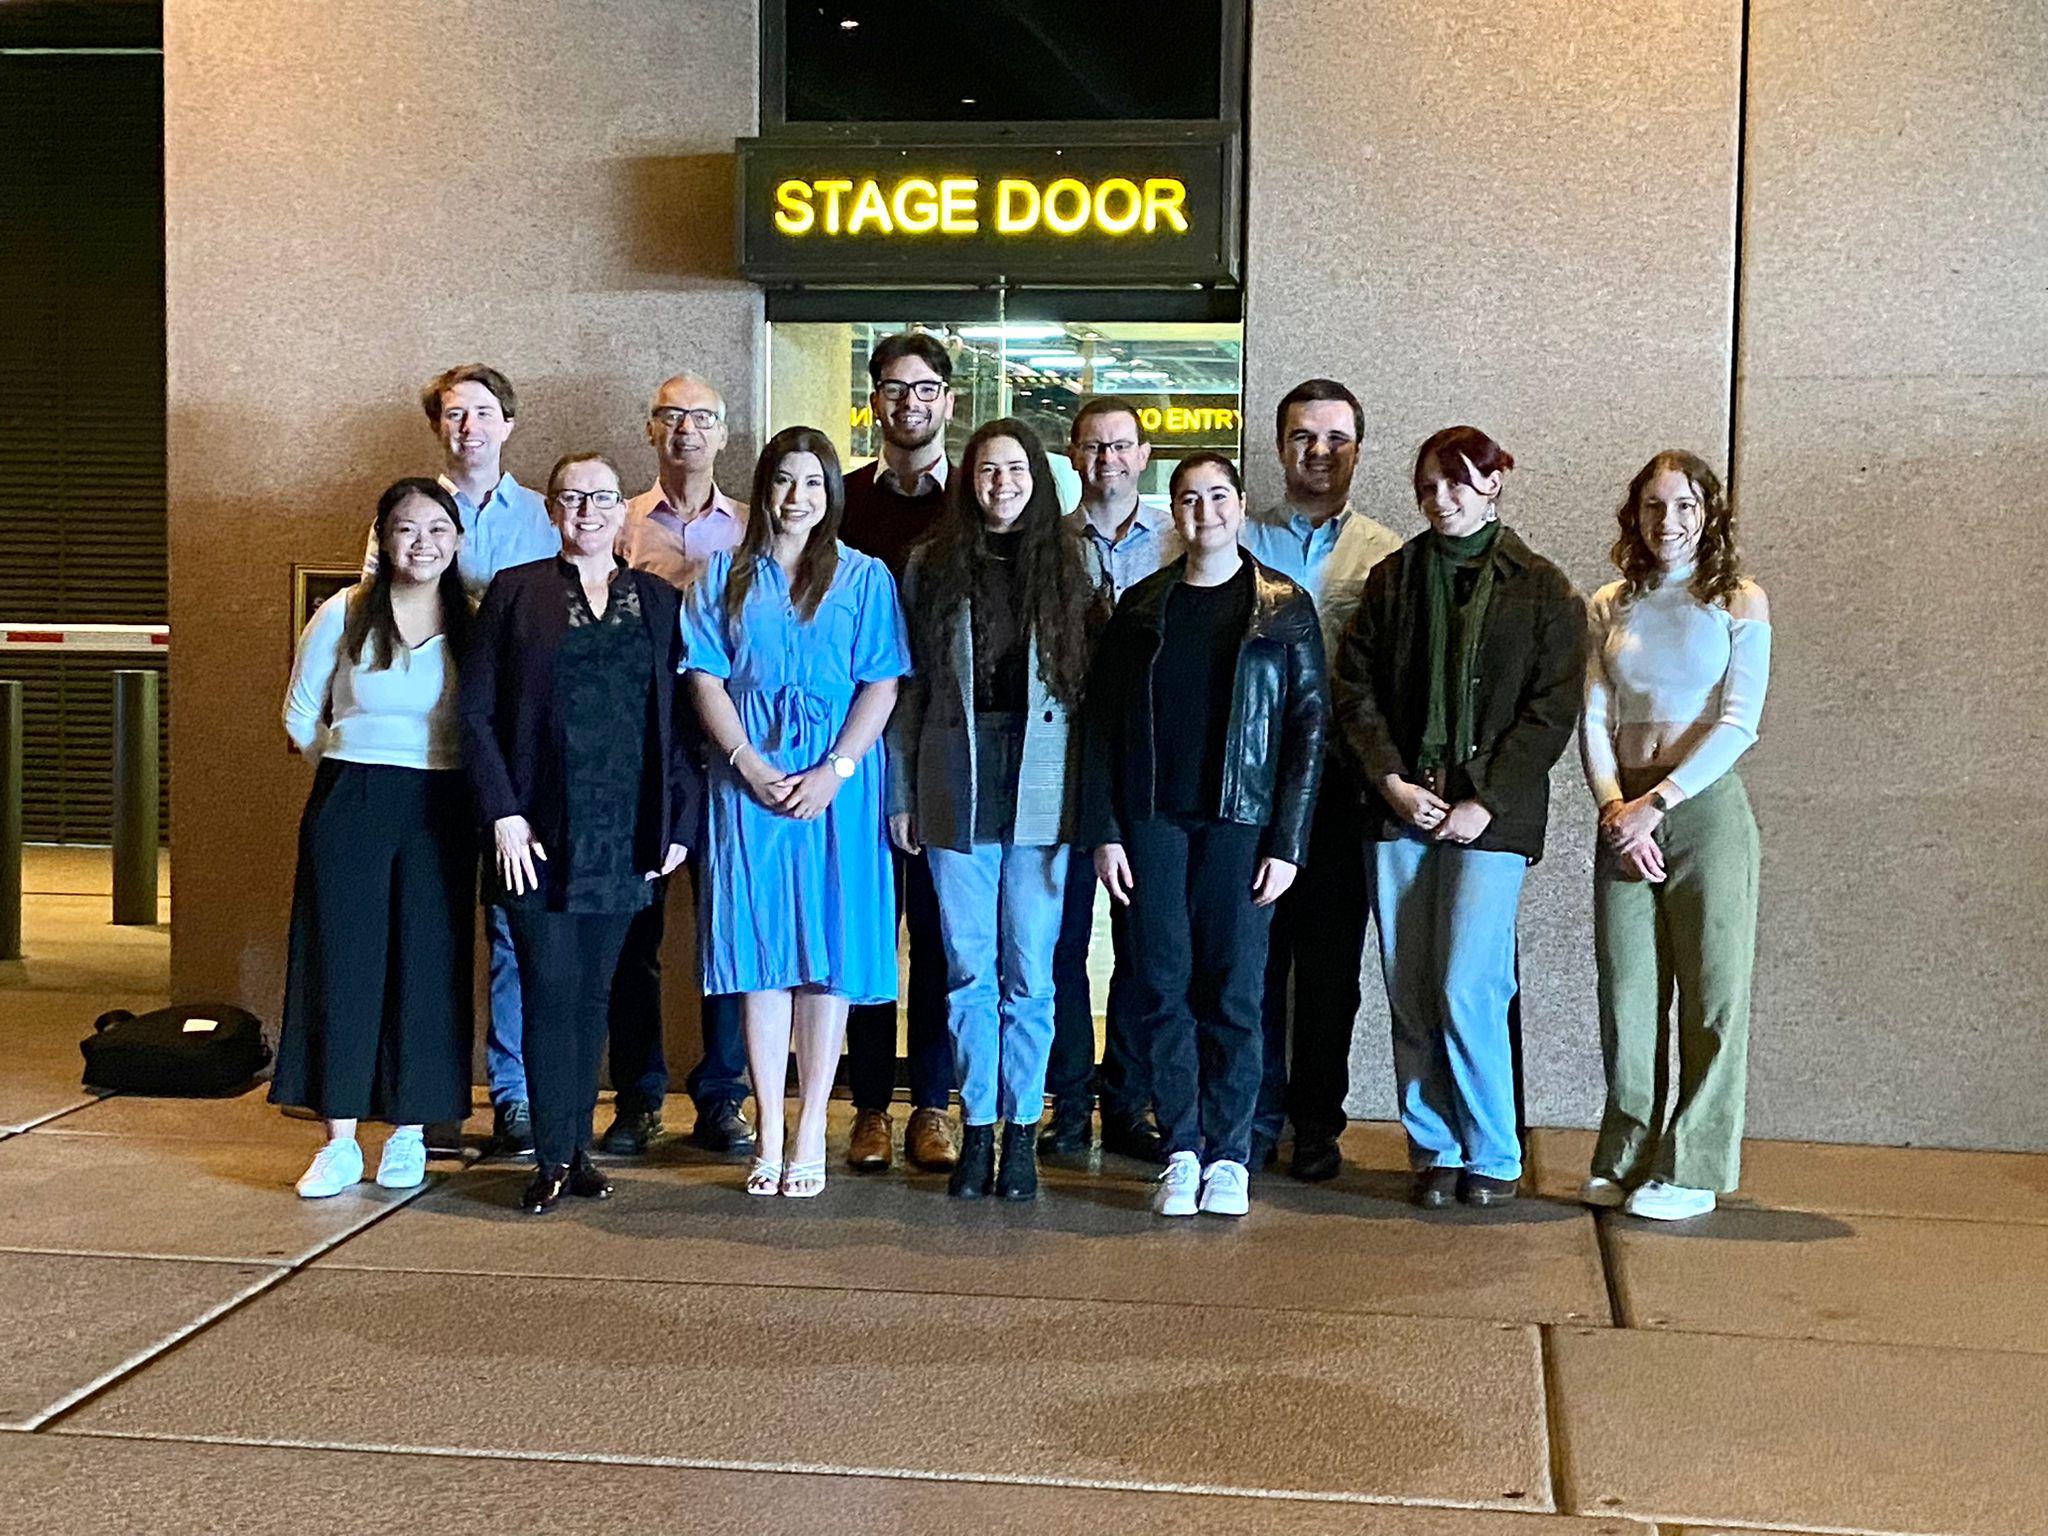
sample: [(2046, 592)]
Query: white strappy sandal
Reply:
[(801, 1174), (764, 1176)]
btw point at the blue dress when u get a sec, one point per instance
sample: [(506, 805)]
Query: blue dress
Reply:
[(789, 903)]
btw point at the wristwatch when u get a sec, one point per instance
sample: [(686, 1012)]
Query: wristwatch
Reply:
[(841, 764)]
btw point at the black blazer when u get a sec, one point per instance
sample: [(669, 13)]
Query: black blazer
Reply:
[(512, 744), (1532, 670), (1273, 757)]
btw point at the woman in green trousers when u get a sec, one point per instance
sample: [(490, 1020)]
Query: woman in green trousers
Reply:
[(1679, 660)]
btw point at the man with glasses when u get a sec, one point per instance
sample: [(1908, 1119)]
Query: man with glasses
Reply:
[(890, 505), (1130, 539), (472, 408), (1315, 536), (670, 531)]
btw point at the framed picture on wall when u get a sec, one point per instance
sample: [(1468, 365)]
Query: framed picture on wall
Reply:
[(312, 585)]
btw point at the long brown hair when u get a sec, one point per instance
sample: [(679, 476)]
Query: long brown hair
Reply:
[(818, 563), (1063, 607), (369, 606), (1719, 572)]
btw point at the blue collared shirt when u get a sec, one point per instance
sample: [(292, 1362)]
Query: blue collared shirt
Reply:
[(510, 528), (1330, 559), (1148, 542)]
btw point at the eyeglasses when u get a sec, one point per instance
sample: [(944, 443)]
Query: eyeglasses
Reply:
[(1120, 448), (894, 390), (672, 417), (576, 501)]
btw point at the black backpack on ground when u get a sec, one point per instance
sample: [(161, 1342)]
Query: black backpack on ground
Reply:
[(190, 1050)]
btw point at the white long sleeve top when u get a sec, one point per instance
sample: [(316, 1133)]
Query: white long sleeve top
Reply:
[(403, 716), (1666, 659)]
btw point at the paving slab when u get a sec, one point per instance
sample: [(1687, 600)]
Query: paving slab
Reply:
[(39, 1035), (248, 1116), (73, 1485), (755, 1378), (71, 944), (1873, 1279), (1793, 1434), (174, 1199), (68, 1323), (1846, 1180), (1352, 1245)]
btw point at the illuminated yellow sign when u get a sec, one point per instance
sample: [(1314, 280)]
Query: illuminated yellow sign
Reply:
[(961, 205), (1179, 420)]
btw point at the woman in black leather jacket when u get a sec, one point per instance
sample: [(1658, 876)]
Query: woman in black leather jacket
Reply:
[(1203, 744)]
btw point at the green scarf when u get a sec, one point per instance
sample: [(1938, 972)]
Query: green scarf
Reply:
[(1454, 632)]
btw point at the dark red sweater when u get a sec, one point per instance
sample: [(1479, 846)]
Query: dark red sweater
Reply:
[(883, 524)]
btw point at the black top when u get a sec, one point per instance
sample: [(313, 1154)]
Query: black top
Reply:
[(1001, 686), (527, 695), (881, 523), (602, 673), (1191, 689)]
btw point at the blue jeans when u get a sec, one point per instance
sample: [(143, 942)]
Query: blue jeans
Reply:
[(999, 911), (1446, 917), (505, 1038)]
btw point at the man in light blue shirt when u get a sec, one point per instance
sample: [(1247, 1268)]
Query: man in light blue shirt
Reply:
[(1130, 539), (1315, 536), (472, 408)]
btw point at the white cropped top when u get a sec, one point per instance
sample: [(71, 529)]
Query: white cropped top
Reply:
[(1669, 659), (402, 717)]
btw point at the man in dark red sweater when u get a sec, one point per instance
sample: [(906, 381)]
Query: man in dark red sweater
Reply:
[(890, 505)]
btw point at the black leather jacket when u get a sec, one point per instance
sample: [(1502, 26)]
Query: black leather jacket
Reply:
[(1279, 710)]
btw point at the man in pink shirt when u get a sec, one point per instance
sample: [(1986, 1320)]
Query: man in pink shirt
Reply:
[(673, 528), (670, 532)]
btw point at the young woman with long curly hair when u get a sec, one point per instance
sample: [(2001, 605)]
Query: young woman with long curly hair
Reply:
[(1004, 607), (1680, 658)]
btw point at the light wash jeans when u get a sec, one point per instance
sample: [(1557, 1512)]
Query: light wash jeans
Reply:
[(1446, 918), (999, 908), (505, 1036)]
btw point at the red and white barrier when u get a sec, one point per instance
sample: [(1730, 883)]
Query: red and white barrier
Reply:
[(84, 637)]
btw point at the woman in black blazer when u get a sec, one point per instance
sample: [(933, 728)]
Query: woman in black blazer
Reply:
[(567, 656)]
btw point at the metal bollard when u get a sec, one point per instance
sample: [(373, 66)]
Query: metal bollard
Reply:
[(10, 820), (135, 797)]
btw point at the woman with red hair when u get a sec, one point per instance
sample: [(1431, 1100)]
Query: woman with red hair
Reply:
[(1455, 690)]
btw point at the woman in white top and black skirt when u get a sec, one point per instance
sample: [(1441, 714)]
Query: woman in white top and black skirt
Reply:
[(377, 1008), (1680, 657)]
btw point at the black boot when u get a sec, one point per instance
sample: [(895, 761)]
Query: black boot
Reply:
[(586, 1180), (974, 1175), (1019, 1177)]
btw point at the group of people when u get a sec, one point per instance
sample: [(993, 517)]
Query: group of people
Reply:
[(924, 693)]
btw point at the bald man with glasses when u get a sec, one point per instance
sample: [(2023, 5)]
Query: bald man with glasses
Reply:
[(670, 531)]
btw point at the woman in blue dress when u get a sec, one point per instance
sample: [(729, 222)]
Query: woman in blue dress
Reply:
[(793, 644)]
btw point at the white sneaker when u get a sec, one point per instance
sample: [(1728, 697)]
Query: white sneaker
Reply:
[(1179, 1186), (404, 1163), (1224, 1189), (1601, 1192), (334, 1168), (1669, 1202)]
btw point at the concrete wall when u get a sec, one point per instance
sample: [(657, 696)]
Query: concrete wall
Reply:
[(1525, 217), (357, 197), (1520, 215)]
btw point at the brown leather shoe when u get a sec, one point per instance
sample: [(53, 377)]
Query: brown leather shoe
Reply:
[(928, 1141), (870, 1147)]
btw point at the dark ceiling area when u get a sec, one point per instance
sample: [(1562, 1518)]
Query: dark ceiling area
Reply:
[(81, 24)]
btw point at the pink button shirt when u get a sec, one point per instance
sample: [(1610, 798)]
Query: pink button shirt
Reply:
[(660, 541)]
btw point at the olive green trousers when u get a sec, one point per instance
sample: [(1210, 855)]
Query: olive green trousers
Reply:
[(1693, 935)]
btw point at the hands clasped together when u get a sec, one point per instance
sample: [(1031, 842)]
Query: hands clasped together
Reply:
[(799, 796)]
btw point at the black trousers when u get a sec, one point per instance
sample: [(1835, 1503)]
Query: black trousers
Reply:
[(566, 961), (639, 1060), (871, 1028), (378, 1013), (1200, 948), (1319, 941), (1124, 1079)]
